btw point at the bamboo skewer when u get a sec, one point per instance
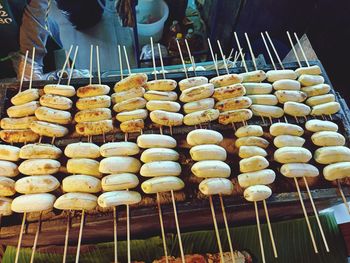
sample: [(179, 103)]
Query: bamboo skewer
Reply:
[(216, 228), (162, 228), (98, 65), (270, 229), (182, 58), (66, 239), (128, 232), (302, 50), (251, 51), (227, 228), (154, 61), (294, 51), (127, 60), (73, 64), (32, 69), (178, 227), (240, 51), (120, 62), (65, 64), (343, 196), (90, 70), (213, 57), (80, 236), (23, 71), (20, 237), (115, 234), (190, 56), (36, 239), (274, 50), (268, 51), (259, 232), (223, 57), (161, 60)]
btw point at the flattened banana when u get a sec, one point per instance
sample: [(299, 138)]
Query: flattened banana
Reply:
[(249, 130), (119, 164), (328, 138), (227, 92), (25, 97), (253, 76), (82, 150), (250, 151), (76, 201), (155, 141), (267, 111), (39, 166), (286, 84), (171, 106), (290, 95), (192, 82), (311, 70), (37, 184), (281, 128), (328, 108), (199, 117), (332, 154), (161, 85), (166, 118), (130, 104), (233, 104), (130, 82), (320, 99), (121, 181), (262, 177), (92, 90), (7, 186), (61, 90), (288, 141), (203, 136), (17, 123), (320, 125), (162, 184), (160, 168), (232, 116), (208, 152), (132, 115), (117, 198), (257, 88), (9, 153), (40, 151), (252, 164), (5, 206), (33, 203), (264, 99), (98, 114), (296, 109), (89, 103), (159, 154), (299, 170), (336, 171), (275, 75), (8, 169), (215, 186), (81, 183), (310, 80), (132, 126), (84, 166), (197, 93), (54, 116), (48, 129), (56, 102), (252, 141), (292, 155), (94, 127), (23, 110), (160, 95), (211, 169), (225, 80), (127, 94), (204, 104), (18, 136), (119, 149), (257, 193), (316, 90)]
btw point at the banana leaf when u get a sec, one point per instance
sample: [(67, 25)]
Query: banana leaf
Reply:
[(292, 240)]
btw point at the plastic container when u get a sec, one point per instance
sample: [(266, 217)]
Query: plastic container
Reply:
[(151, 16)]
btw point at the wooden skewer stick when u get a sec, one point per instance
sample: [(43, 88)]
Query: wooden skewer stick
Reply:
[(268, 51), (98, 65), (223, 57), (182, 58), (115, 232), (270, 230), (73, 64), (316, 214), (120, 62), (32, 69), (23, 71), (20, 237), (306, 216), (343, 196), (259, 232), (80, 235), (301, 49), (274, 50), (128, 232), (153, 60), (216, 228), (251, 51), (127, 60), (161, 60), (66, 239), (190, 56), (36, 239), (64, 64), (227, 228), (178, 228), (90, 69), (240, 51), (162, 228), (213, 58), (293, 48)]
